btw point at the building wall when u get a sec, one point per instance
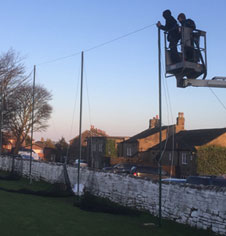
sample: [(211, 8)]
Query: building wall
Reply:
[(174, 162), (148, 142), (199, 206), (142, 145), (99, 151)]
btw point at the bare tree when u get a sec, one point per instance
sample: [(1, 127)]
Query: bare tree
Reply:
[(12, 72), (19, 112), (12, 75), (16, 100)]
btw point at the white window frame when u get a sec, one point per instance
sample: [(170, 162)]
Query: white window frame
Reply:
[(184, 158)]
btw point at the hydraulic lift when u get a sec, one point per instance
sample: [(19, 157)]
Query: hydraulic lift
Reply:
[(191, 70)]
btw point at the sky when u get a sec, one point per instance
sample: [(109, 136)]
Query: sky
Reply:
[(120, 92)]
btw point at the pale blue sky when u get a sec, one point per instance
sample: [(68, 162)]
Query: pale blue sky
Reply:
[(121, 78)]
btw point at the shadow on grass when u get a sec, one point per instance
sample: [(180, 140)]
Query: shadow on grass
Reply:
[(55, 190), (89, 202)]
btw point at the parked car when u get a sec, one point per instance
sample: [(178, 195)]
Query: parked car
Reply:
[(119, 168), (25, 153), (207, 180), (26, 157), (147, 171), (123, 168), (83, 163), (22, 156)]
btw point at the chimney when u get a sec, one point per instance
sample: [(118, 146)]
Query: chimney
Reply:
[(153, 123), (180, 121)]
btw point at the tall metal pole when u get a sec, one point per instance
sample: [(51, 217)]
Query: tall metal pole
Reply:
[(32, 120), (80, 123), (160, 131)]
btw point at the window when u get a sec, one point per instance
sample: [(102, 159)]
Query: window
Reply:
[(184, 159), (191, 157), (129, 151), (94, 147), (100, 147)]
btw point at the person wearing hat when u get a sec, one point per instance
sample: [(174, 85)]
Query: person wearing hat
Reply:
[(189, 47), (172, 28), (186, 22)]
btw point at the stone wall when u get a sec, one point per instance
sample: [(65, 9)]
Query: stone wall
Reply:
[(199, 206)]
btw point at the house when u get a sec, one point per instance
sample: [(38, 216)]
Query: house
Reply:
[(50, 154), (102, 149), (74, 143), (139, 143), (38, 148), (179, 151)]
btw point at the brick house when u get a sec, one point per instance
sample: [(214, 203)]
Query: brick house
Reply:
[(102, 149), (140, 143), (180, 150), (74, 143)]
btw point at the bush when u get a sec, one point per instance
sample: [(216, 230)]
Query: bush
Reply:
[(211, 160)]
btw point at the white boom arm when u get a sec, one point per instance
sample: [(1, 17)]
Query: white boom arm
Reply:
[(216, 82)]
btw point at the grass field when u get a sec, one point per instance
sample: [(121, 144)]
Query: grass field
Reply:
[(22, 214)]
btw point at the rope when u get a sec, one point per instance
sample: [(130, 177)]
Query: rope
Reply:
[(118, 38), (217, 98), (73, 114), (90, 120), (97, 46)]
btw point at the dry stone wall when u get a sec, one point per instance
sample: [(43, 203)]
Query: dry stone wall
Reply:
[(199, 206)]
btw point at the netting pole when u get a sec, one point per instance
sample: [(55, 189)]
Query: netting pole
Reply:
[(80, 123), (32, 121), (160, 131)]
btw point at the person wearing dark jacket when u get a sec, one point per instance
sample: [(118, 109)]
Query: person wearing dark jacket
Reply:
[(186, 22), (189, 47), (172, 28)]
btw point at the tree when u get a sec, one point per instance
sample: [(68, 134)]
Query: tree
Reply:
[(211, 160), (62, 148), (28, 140), (12, 75), (49, 143), (12, 72), (110, 150), (19, 111)]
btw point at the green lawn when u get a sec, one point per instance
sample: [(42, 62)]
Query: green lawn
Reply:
[(31, 215)]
